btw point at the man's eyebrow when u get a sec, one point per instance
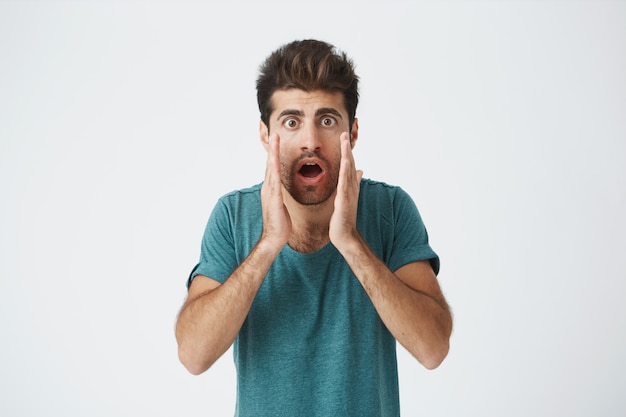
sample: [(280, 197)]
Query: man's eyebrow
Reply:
[(328, 110), (300, 113), (290, 112)]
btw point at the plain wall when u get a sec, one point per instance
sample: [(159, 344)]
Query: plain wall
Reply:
[(121, 123)]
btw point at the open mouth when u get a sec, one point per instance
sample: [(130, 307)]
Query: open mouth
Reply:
[(310, 170)]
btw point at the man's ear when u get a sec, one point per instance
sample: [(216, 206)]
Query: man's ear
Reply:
[(264, 134), (354, 133)]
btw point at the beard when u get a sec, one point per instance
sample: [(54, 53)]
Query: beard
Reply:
[(309, 195)]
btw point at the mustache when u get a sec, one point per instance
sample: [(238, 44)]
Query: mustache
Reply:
[(311, 154)]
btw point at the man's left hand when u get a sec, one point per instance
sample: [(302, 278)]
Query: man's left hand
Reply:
[(342, 229)]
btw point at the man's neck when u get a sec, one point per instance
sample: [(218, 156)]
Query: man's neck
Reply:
[(309, 223)]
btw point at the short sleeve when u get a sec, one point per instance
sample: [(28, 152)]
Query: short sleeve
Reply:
[(410, 235), (217, 253)]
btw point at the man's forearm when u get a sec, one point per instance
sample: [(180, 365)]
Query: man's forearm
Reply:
[(420, 322), (209, 323)]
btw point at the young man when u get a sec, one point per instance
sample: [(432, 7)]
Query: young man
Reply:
[(315, 273)]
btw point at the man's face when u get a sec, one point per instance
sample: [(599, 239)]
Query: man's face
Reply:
[(309, 125)]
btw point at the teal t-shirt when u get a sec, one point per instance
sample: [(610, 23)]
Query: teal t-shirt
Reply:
[(313, 344)]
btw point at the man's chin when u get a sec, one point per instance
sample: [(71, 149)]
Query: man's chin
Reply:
[(311, 195)]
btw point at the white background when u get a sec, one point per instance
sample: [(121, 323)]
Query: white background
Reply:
[(121, 123)]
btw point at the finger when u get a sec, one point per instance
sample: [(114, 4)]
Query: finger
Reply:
[(273, 156), (346, 149), (348, 163), (346, 154), (274, 142)]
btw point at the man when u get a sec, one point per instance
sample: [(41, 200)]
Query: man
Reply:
[(315, 273)]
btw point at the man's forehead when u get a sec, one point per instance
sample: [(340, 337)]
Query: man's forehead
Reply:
[(307, 101)]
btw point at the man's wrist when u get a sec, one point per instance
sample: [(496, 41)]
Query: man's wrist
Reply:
[(352, 244), (269, 246)]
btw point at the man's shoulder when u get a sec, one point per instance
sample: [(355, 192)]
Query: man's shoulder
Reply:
[(243, 193), (240, 202), (374, 184), (379, 196), (381, 189)]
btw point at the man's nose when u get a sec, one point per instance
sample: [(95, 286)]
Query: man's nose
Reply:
[(310, 139)]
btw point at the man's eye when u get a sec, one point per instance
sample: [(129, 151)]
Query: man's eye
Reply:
[(328, 121), (291, 123)]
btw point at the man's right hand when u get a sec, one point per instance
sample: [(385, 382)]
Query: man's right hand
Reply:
[(276, 220), (213, 314)]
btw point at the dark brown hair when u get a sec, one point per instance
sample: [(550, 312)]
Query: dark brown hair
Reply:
[(307, 65)]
